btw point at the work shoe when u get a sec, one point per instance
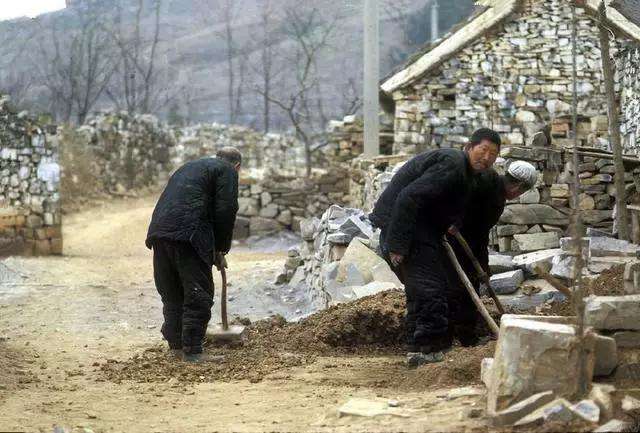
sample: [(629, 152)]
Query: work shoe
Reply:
[(175, 353), (416, 359), (201, 358)]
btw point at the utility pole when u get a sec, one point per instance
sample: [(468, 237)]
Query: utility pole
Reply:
[(371, 79), (435, 20), (608, 73)]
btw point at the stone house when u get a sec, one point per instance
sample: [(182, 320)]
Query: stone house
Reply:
[(509, 66)]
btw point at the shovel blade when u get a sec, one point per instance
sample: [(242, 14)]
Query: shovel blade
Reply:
[(234, 333)]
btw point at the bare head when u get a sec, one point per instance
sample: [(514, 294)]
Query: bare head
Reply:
[(231, 155), (483, 148), (521, 176)]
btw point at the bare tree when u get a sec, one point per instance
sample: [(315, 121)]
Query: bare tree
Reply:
[(16, 84), (74, 65), (310, 32), (137, 87)]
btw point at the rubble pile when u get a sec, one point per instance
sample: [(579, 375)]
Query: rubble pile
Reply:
[(280, 152), (30, 219), (338, 258), (270, 202), (131, 151)]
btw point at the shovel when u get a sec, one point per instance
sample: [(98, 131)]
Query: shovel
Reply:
[(224, 333), (481, 273)]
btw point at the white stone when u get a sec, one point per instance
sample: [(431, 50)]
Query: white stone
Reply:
[(615, 426), (558, 410), (485, 370), (372, 288), (384, 274), (499, 263), (588, 410), (530, 261), (613, 312), (270, 211), (521, 409), (362, 258), (532, 357), (604, 246), (537, 241), (530, 197)]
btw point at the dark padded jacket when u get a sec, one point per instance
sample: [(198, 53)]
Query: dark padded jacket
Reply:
[(486, 204), (426, 196), (198, 205)]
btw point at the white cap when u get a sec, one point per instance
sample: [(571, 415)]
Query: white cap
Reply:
[(524, 172)]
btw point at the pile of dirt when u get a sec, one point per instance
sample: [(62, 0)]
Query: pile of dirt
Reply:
[(608, 283), (13, 370)]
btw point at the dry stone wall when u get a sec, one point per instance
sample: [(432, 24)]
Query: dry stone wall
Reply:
[(517, 80), (629, 70), (30, 219)]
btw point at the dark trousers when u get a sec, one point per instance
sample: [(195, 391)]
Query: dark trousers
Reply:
[(426, 288), (185, 284)]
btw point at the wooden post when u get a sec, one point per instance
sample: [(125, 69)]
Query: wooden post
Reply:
[(608, 72)]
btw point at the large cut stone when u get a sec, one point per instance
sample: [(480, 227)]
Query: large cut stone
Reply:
[(558, 410), (510, 230), (627, 339), (596, 216), (530, 261), (603, 246), (606, 355), (529, 214), (308, 228), (507, 282), (362, 258), (499, 263), (521, 409), (537, 241), (384, 274), (613, 312), (530, 197), (533, 357)]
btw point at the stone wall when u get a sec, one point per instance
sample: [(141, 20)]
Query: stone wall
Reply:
[(30, 221), (517, 79), (130, 151), (629, 70), (271, 202), (346, 138), (280, 152)]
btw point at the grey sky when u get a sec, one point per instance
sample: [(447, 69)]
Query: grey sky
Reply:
[(19, 8)]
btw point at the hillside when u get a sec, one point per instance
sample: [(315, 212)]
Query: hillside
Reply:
[(192, 64)]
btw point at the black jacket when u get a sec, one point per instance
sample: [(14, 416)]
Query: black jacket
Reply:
[(198, 205), (426, 196), (486, 204)]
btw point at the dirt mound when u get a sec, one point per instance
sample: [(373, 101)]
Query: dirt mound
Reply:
[(608, 283), (13, 370)]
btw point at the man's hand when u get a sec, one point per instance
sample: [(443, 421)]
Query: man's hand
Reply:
[(453, 230), (396, 259), (220, 261)]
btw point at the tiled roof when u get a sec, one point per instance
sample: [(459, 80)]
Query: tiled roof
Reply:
[(629, 8)]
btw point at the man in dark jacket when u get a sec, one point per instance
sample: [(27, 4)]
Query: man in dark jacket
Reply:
[(427, 195), (190, 231), (488, 197)]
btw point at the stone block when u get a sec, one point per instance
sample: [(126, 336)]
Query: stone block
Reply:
[(560, 190), (588, 410), (308, 228), (499, 263), (269, 211), (285, 218), (337, 252), (383, 273), (605, 246), (597, 233), (504, 244), (514, 413), (260, 226), (537, 241), (339, 238), (530, 197), (530, 214), (533, 357), (356, 227), (559, 410), (529, 261), (627, 339), (615, 426), (511, 229), (507, 282), (362, 258), (613, 312), (605, 355), (34, 221), (53, 232), (602, 395)]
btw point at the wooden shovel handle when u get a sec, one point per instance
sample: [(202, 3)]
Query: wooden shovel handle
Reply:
[(223, 299), (467, 284)]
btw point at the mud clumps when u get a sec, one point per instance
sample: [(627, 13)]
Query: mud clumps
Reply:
[(608, 283), (13, 370)]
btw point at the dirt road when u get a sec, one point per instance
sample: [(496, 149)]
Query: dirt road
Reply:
[(60, 318)]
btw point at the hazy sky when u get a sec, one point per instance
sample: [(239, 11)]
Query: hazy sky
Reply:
[(30, 8)]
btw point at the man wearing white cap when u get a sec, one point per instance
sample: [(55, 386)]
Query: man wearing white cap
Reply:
[(487, 202)]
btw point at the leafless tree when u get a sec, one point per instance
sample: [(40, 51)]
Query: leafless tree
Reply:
[(137, 87), (267, 70), (16, 84), (310, 32), (74, 65)]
